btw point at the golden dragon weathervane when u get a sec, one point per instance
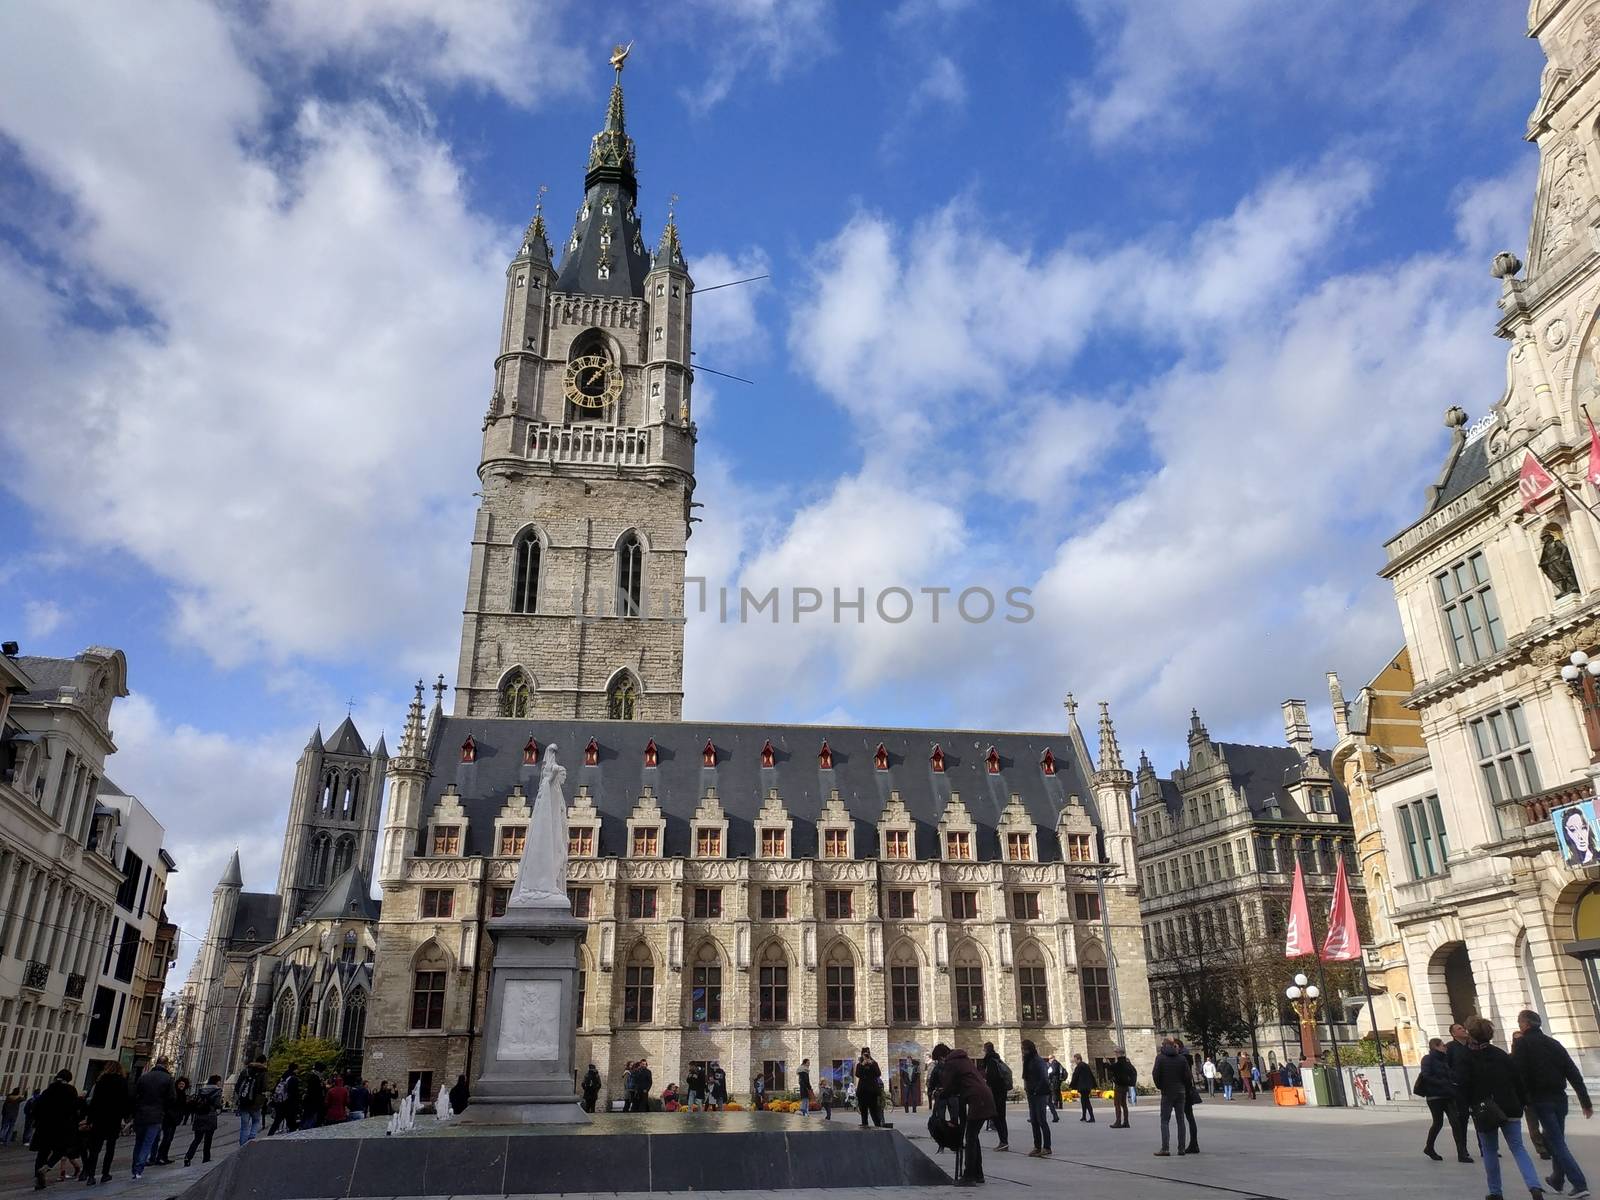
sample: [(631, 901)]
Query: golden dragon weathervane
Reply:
[(619, 55)]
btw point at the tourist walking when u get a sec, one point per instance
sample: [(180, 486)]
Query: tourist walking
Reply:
[(176, 1108), (1124, 1075), (1171, 1076), (1247, 1080), (360, 1101), (1190, 1099), (28, 1106), (591, 1087), (383, 1099), (460, 1095), (1208, 1069), (1437, 1084), (998, 1075), (825, 1098), (313, 1099), (972, 1099), (869, 1088), (806, 1094), (286, 1100), (1546, 1070), (1492, 1089), (250, 1097), (336, 1101), (55, 1126), (910, 1085), (1058, 1076), (1083, 1082), (1227, 1073), (1036, 1087), (153, 1096), (110, 1105), (207, 1104), (10, 1110)]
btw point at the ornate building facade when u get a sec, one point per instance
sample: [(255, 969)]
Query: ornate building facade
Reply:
[(1217, 847), (1495, 596), (298, 961), (755, 894)]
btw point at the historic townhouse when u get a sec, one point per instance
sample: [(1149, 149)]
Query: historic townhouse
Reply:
[(1217, 845), (1496, 598), (756, 894), (59, 855)]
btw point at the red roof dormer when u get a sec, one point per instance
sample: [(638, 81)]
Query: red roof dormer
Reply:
[(1047, 762), (591, 754), (825, 757), (530, 752), (708, 756), (651, 753), (469, 750), (993, 759), (936, 759), (768, 755), (880, 757)]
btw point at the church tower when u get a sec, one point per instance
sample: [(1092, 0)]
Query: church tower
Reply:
[(333, 819), (574, 603)]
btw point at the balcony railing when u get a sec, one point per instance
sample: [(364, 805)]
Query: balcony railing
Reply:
[(74, 987), (584, 443), (1539, 807), (36, 975)]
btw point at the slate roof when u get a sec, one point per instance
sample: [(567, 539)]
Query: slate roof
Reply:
[(109, 788), (610, 176), (348, 896), (345, 740), (680, 779), (49, 676), (258, 911), (1470, 468), (1264, 773)]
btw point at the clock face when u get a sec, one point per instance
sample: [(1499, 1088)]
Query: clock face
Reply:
[(593, 382)]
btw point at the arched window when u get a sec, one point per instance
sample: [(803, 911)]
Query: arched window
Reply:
[(353, 1027), (705, 986), (639, 987), (1033, 985), (283, 1019), (1094, 976), (330, 785), (319, 860), (348, 954), (330, 1014), (427, 987), (840, 984), (622, 697), (966, 968), (630, 575), (344, 853), (516, 695), (774, 987), (905, 986), (525, 555), (352, 796)]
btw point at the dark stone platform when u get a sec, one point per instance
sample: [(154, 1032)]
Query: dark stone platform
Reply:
[(635, 1152)]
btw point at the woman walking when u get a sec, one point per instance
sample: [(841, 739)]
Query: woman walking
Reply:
[(1438, 1086), (1082, 1082), (1493, 1090), (207, 1104), (1036, 1087), (110, 1105)]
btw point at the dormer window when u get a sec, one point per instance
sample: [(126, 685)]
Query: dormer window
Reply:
[(825, 757), (591, 754), (958, 846), (773, 844), (469, 750), (936, 759), (880, 757), (768, 755), (650, 753), (708, 756), (530, 752), (1019, 847), (646, 842), (993, 760), (1047, 762), (603, 270)]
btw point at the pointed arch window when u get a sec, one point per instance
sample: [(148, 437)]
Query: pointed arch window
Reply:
[(639, 987), (630, 575), (353, 1028), (352, 796), (516, 695), (330, 1014), (530, 752), (768, 755), (622, 697), (880, 757), (774, 986), (905, 986), (936, 759), (825, 757), (1033, 986), (840, 985), (344, 853), (320, 859), (283, 1018), (1047, 762), (705, 995), (526, 554), (330, 786), (966, 967)]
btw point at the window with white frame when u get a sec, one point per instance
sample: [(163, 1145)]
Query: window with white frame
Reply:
[(1505, 757), (1471, 617), (1427, 843)]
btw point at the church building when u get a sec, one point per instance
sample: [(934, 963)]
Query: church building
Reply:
[(756, 894)]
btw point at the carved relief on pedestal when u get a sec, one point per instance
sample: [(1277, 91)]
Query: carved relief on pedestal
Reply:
[(1567, 195)]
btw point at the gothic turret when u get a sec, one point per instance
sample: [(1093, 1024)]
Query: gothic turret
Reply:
[(408, 778)]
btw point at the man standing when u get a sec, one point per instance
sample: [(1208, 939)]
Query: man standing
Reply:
[(966, 1091), (1083, 1082), (627, 1087), (643, 1080), (805, 1087), (249, 1096), (1124, 1075), (998, 1076), (1057, 1074), (1171, 1077), (1209, 1070), (1546, 1069), (153, 1095), (869, 1089)]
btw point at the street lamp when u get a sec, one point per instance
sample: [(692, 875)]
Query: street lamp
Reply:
[(1303, 996), (1579, 673)]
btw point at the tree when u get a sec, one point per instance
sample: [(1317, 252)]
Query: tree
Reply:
[(1212, 1022), (307, 1052)]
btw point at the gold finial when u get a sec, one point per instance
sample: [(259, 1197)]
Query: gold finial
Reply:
[(538, 205), (619, 55)]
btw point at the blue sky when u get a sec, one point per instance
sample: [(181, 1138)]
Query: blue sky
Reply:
[(1152, 308)]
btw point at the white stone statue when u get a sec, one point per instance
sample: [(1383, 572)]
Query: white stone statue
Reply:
[(542, 874)]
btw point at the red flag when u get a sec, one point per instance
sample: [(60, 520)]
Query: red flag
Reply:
[(1533, 482), (1343, 942), (1593, 473), (1300, 941)]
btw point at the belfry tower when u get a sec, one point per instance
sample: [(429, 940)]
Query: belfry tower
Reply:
[(574, 602)]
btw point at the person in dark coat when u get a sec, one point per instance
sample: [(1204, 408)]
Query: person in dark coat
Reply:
[(286, 1100), (460, 1095), (205, 1107), (719, 1086), (869, 1088), (154, 1094), (1190, 1100), (110, 1105), (1546, 1070), (591, 1088), (1489, 1080), (808, 1097), (643, 1080), (177, 1109), (1083, 1082), (55, 1126), (964, 1086), (383, 1099), (1057, 1075), (1172, 1078), (1124, 1075), (1436, 1083), (995, 1071), (1036, 1087), (313, 1099)]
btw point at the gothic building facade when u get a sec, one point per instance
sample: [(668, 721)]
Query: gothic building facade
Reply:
[(296, 961), (755, 894)]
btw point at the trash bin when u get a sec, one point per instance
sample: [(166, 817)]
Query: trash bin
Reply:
[(1319, 1086)]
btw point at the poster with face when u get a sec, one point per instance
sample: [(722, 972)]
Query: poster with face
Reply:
[(1577, 834)]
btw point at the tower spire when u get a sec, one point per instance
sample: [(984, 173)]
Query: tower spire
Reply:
[(412, 740), (669, 251), (605, 256), (1110, 752)]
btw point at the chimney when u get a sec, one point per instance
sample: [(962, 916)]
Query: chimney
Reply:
[(1297, 727)]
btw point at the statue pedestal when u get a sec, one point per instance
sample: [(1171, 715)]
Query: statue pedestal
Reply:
[(530, 1030)]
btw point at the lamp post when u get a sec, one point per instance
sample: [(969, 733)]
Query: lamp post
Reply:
[(1303, 995), (1580, 673)]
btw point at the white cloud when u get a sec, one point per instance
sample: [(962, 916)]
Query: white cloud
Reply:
[(942, 86), (41, 618), (727, 326), (741, 35)]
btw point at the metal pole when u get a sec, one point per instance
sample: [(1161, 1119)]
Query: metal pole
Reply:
[(1372, 1011), (1333, 1032), (1111, 960)]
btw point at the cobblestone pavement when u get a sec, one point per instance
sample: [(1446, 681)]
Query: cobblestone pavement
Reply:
[(1248, 1150), (16, 1169)]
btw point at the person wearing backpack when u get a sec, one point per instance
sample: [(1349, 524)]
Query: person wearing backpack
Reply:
[(250, 1097), (998, 1076), (1124, 1076), (286, 1101), (207, 1104)]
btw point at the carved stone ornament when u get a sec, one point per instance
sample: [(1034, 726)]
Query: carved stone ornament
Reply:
[(442, 868), (1556, 334), (1584, 637)]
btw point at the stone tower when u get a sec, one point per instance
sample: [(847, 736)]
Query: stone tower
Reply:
[(574, 601), (333, 818)]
